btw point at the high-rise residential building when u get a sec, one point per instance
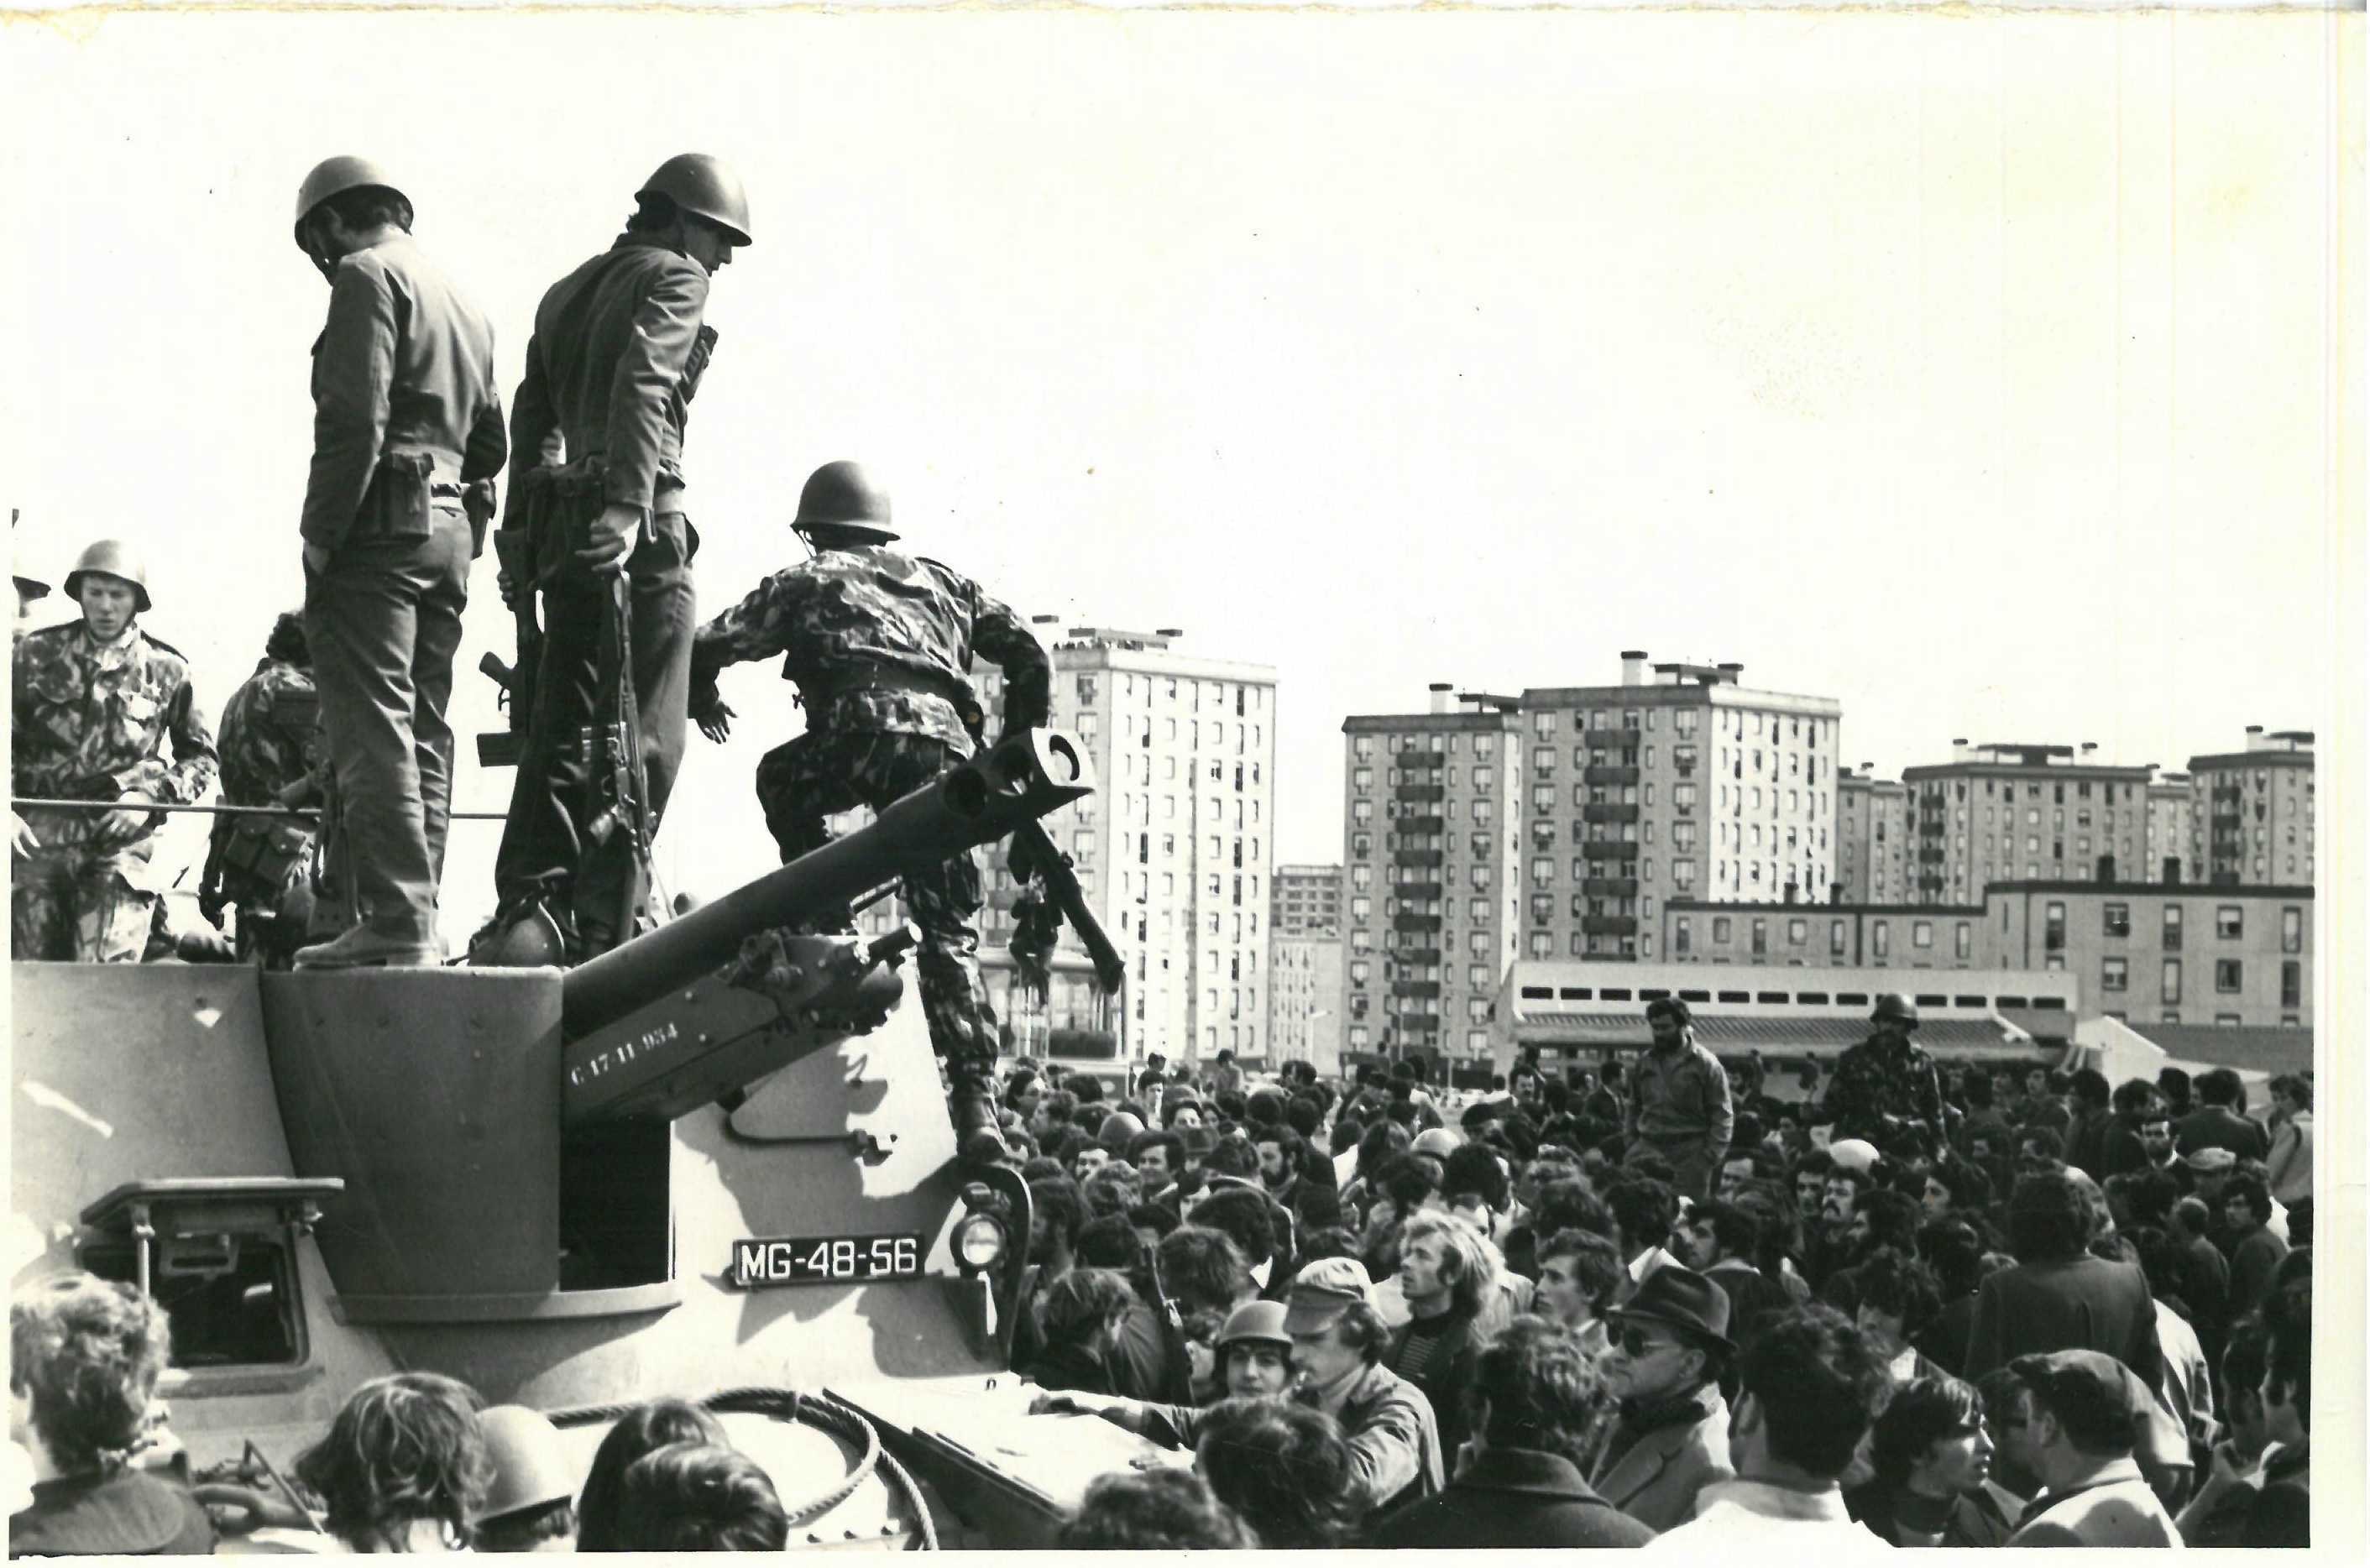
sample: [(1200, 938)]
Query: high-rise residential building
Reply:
[(2252, 810), (1174, 848), (1307, 900), (1679, 783), (1872, 839), (2171, 820), (1429, 839), (1305, 1001), (2003, 813)]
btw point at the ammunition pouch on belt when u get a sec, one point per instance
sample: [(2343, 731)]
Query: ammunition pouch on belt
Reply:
[(562, 505), (401, 500), (265, 850)]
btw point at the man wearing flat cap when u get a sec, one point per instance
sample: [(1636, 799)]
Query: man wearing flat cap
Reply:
[(1338, 1339), (2079, 1440), (1670, 1346)]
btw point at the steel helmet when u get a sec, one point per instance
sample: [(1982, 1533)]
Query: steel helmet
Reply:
[(530, 1463), (29, 582), (841, 495), (111, 558), (1893, 1005), (335, 177), (704, 185)]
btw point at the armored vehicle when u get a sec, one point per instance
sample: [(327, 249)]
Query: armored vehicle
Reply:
[(714, 1163)]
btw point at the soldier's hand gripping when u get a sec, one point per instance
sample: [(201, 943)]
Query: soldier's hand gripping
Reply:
[(123, 826), (22, 838), (715, 720), (612, 537), (508, 586)]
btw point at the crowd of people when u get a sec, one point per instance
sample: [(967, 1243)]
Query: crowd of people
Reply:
[(2019, 1306), (2076, 1314), (412, 1462)]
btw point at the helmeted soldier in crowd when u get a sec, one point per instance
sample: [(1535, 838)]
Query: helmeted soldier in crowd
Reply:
[(271, 756), (881, 643), (407, 438), (1885, 1082), (97, 701), (618, 351)]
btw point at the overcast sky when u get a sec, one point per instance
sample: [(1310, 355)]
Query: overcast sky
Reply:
[(1969, 371)]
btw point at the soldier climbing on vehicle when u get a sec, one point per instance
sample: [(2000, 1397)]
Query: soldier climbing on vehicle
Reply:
[(96, 702), (880, 644), (271, 748)]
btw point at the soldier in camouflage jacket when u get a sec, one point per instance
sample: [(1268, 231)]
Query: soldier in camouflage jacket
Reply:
[(271, 753), (880, 644), (97, 701)]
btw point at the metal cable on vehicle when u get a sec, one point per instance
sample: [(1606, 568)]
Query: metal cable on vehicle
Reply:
[(827, 1416)]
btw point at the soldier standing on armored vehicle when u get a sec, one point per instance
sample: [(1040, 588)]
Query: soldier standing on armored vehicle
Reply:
[(618, 351), (96, 700), (407, 438), (1886, 1082), (271, 745), (881, 643)]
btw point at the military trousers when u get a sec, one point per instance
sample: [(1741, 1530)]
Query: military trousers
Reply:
[(823, 772), (384, 622), (545, 852), (80, 903)]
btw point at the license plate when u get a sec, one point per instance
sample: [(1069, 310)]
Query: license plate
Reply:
[(826, 1260)]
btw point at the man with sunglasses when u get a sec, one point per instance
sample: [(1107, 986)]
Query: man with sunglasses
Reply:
[(1670, 1346)]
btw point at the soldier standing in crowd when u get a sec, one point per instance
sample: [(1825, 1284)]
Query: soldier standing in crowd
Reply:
[(881, 643), (407, 438), (97, 701), (270, 749), (1886, 1081), (618, 351), (30, 588), (1679, 1106)]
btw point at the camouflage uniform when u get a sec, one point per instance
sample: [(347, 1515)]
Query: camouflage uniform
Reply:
[(879, 643), (1875, 1081), (90, 724), (270, 740)]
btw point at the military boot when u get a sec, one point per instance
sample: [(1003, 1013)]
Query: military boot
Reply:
[(970, 1105)]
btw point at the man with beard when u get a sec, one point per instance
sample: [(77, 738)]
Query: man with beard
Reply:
[(1670, 1347)]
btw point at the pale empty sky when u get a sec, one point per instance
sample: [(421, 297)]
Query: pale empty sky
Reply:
[(1969, 370)]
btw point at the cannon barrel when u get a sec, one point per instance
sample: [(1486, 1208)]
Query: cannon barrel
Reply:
[(1021, 778)]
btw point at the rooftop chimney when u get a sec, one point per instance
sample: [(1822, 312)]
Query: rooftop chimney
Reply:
[(1729, 672), (1633, 668), (1441, 700), (1044, 619), (1168, 631)]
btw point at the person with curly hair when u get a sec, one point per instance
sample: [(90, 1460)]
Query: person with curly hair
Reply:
[(700, 1498), (84, 1358), (1283, 1468), (645, 1429), (1156, 1510), (404, 1466)]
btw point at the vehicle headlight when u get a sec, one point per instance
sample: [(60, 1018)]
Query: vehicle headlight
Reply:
[(979, 1241)]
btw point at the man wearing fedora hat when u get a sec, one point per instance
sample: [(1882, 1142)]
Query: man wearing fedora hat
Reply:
[(1670, 1346)]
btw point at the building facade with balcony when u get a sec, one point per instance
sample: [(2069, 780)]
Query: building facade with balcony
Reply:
[(1678, 782), (2251, 811), (2171, 817), (1174, 848), (2020, 812), (1872, 839), (2157, 953), (1429, 909)]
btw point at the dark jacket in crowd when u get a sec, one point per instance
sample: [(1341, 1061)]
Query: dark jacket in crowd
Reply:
[(1899, 1516), (2219, 1127), (2085, 1303), (1752, 1296), (1445, 1373), (1511, 1497), (127, 1513)]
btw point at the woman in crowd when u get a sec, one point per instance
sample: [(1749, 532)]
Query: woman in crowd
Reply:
[(1283, 1467), (1931, 1453), (404, 1466), (643, 1430), (84, 1358)]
